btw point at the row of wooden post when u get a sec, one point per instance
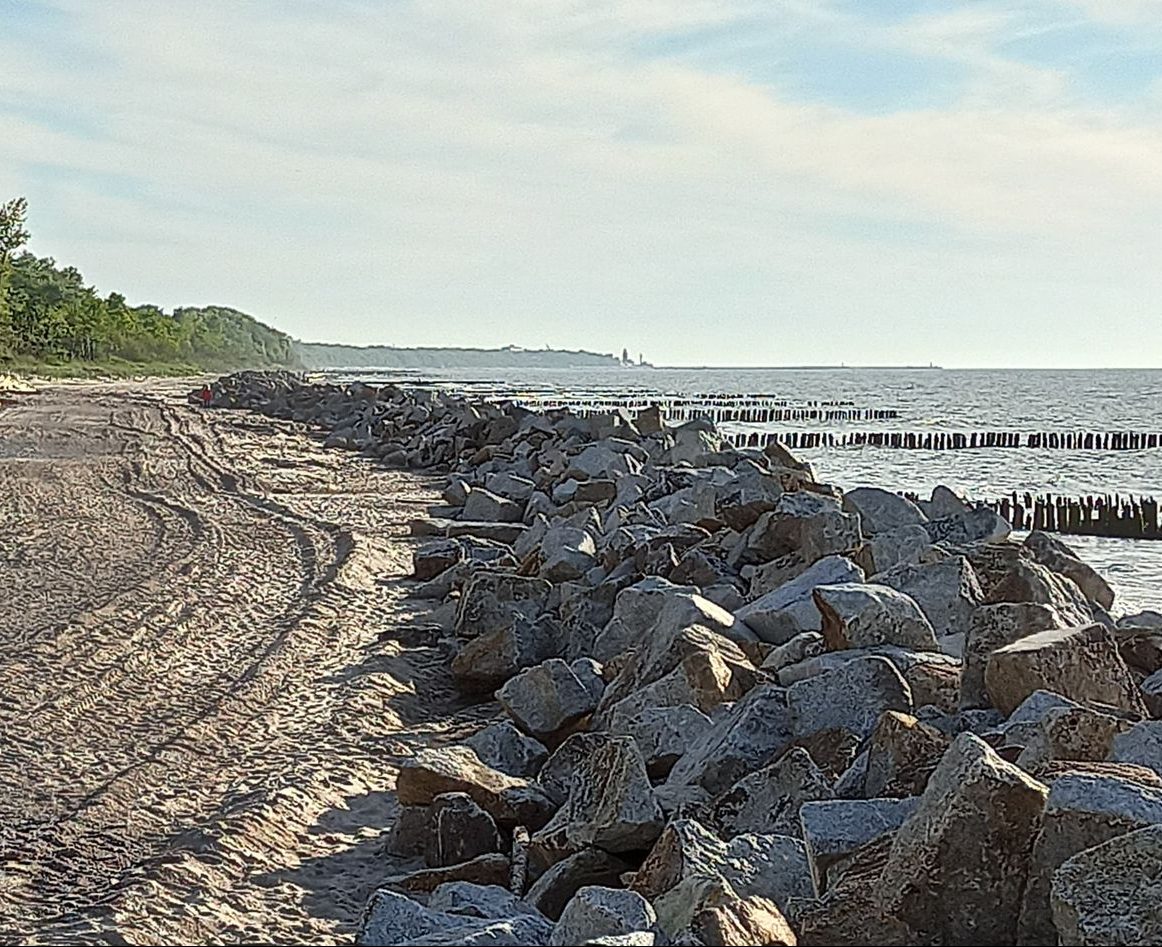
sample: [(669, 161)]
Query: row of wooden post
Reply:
[(1116, 516), (955, 440)]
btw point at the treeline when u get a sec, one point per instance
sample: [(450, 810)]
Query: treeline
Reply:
[(48, 315)]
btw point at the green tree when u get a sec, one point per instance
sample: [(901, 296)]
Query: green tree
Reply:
[(13, 235)]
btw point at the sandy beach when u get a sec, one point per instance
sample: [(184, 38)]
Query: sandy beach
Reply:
[(207, 668)]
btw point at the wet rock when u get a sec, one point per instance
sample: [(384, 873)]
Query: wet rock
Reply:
[(458, 830), (955, 872), (864, 615), (1080, 663), (901, 756), (544, 701), (789, 610), (502, 746), (508, 799), (755, 731), (1108, 894), (1052, 553), (484, 506), (850, 698), (768, 800), (1083, 810), (493, 600), (598, 912), (611, 804), (834, 829), (979, 524), (881, 511), (993, 627), (487, 661), (589, 866)]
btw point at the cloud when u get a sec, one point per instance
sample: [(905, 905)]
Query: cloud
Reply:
[(453, 172)]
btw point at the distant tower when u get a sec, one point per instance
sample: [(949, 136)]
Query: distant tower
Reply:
[(625, 356), (640, 359)]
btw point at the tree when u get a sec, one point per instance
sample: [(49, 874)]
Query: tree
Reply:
[(13, 235)]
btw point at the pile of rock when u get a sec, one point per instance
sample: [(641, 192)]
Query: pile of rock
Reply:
[(739, 706)]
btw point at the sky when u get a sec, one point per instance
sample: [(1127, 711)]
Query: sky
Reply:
[(726, 182)]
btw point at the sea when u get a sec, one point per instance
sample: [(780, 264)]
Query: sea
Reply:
[(925, 400)]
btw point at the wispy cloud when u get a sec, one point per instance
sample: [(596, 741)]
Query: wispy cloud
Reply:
[(585, 174)]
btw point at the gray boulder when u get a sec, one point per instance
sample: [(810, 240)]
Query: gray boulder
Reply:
[(1141, 744), (567, 552), (806, 524), (975, 525), (547, 699), (781, 614), (948, 592), (391, 919), (1052, 553), (502, 746), (600, 912), (484, 506), (881, 511), (850, 698), (834, 829), (857, 615), (458, 830), (993, 627), (767, 801), (492, 600), (907, 545)]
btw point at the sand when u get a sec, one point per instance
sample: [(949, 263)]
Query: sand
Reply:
[(208, 666)]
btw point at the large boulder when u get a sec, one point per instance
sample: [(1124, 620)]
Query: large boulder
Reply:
[(484, 506), (901, 756), (663, 733), (546, 700), (1052, 553), (881, 511), (835, 829), (864, 615), (492, 600), (510, 800), (948, 592), (567, 552), (768, 800), (600, 912), (993, 627), (1081, 663), (1071, 733), (850, 698), (391, 919), (755, 731), (788, 610), (458, 830), (1140, 744), (1083, 810), (588, 866), (956, 870), (907, 545), (1028, 581), (611, 804), (1108, 894), (806, 524), (485, 662), (502, 746), (976, 525)]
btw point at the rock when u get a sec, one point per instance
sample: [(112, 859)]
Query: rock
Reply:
[(589, 673), (1143, 619), (510, 486), (751, 493), (430, 559), (901, 756), (934, 682), (489, 869), (597, 912), (862, 616), (769, 866), (808, 644), (976, 525), (409, 832), (1057, 556), (567, 552), (504, 533), (544, 701), (755, 731), (1071, 733), (850, 698), (807, 524), (745, 921), (1083, 810), (1024, 722), (611, 804), (483, 901), (955, 872), (1080, 663), (662, 734), (992, 627), (1108, 894), (781, 614), (1140, 744), (492, 600), (948, 592), (502, 746), (1028, 581), (391, 918), (834, 829), (589, 866), (767, 801), (944, 503), (655, 607), (881, 511), (508, 799), (483, 506), (907, 545), (458, 830), (487, 661)]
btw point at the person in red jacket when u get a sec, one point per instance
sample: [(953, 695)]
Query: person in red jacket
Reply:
[(206, 395)]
